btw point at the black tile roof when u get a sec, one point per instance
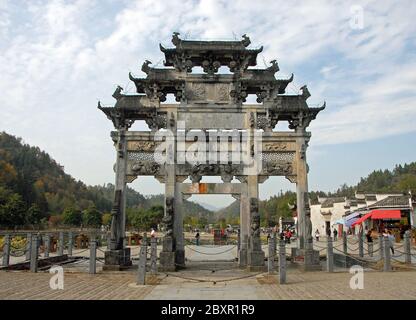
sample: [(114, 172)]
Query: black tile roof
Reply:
[(328, 203), (391, 202)]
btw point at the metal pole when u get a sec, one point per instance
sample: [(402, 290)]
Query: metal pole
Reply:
[(47, 245), (407, 248), (153, 255), (34, 254), (28, 245), (70, 243), (345, 242), (141, 274), (6, 250), (282, 262), (329, 255), (61, 244), (93, 255), (387, 256)]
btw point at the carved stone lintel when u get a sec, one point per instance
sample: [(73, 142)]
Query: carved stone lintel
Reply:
[(156, 122), (145, 168), (242, 179), (279, 168)]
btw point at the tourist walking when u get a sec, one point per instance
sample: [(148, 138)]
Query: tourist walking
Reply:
[(335, 232), (197, 236), (288, 236), (317, 235), (391, 241), (328, 232), (369, 236), (153, 233)]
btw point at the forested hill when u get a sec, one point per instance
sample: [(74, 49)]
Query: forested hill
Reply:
[(34, 186)]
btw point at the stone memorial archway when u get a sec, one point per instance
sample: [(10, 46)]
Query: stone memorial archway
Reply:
[(212, 112)]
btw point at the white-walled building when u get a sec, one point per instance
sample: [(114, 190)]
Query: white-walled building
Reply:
[(329, 212)]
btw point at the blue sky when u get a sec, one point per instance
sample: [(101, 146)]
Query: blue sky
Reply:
[(58, 58)]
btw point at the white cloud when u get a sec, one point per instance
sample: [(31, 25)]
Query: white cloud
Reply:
[(67, 55)]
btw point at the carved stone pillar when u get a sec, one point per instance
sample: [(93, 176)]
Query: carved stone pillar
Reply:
[(118, 257), (301, 188), (244, 224), (168, 259), (255, 257)]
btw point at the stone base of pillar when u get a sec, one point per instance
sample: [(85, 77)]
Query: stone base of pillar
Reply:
[(242, 258), (167, 261), (180, 258), (115, 260), (255, 261), (306, 259)]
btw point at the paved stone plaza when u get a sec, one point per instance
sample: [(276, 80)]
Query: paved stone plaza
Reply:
[(310, 285)]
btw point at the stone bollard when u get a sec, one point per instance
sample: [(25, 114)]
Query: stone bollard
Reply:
[(329, 255), (370, 247), (153, 255), (108, 240), (381, 246), (360, 245), (242, 254), (93, 255), (6, 250), (47, 244), (270, 259), (282, 262), (407, 248), (345, 242), (61, 244), (70, 243), (387, 255), (28, 245), (141, 274), (34, 254)]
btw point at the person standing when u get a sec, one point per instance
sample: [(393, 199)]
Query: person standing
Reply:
[(317, 235), (391, 241), (328, 232), (153, 233), (197, 236), (335, 233), (369, 236)]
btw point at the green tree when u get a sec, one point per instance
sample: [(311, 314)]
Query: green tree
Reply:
[(72, 217), (106, 219), (92, 217), (34, 215), (12, 208)]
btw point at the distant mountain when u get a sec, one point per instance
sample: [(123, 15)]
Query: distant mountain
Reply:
[(208, 206), (32, 182)]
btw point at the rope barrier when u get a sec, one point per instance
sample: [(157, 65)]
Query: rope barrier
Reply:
[(369, 263), (211, 254), (213, 281)]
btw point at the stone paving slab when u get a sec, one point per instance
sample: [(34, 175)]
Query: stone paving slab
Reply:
[(121, 285)]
